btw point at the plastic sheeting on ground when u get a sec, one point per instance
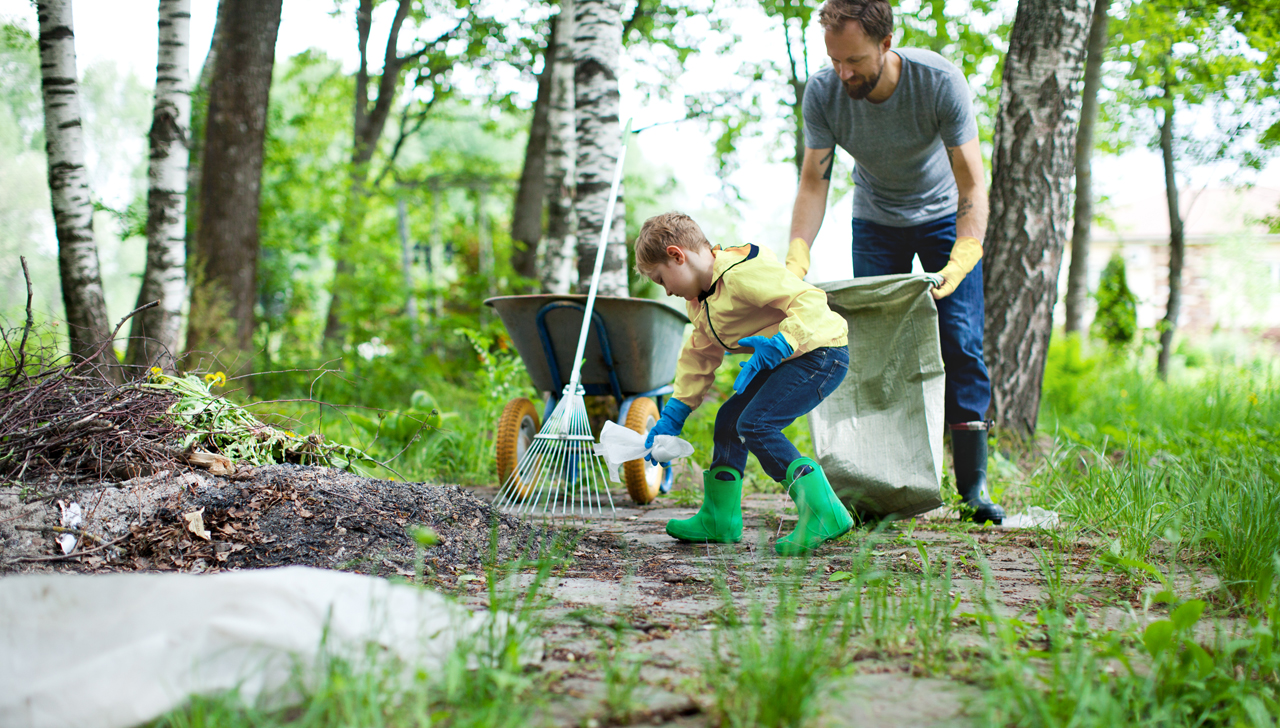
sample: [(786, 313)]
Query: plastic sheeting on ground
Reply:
[(620, 444), (116, 650), (879, 436), (1035, 517)]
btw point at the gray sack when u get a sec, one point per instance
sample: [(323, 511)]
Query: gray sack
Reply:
[(879, 436)]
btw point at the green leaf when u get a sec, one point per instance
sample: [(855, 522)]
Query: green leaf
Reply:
[(1187, 614), (1158, 636), (840, 576), (424, 536)]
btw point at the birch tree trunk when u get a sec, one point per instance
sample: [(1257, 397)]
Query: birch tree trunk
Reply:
[(1030, 194), (1078, 273), (81, 275), (222, 320), (154, 333), (526, 217), (597, 52), (557, 270), (1177, 240)]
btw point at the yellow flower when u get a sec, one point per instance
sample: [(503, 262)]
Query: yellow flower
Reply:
[(1124, 393), (218, 379), (1253, 399)]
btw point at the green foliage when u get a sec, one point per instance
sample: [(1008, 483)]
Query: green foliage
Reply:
[(1184, 469), (1116, 321)]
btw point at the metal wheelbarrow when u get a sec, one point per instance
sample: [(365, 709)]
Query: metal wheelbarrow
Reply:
[(630, 355)]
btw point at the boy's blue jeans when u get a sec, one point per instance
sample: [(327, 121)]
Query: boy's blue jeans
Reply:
[(882, 250), (753, 420)]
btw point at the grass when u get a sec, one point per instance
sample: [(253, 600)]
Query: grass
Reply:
[(1155, 481)]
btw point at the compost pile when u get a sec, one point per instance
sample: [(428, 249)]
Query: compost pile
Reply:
[(162, 473)]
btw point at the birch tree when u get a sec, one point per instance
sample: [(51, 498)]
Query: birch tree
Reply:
[(80, 272), (153, 338), (1030, 199), (597, 52), (556, 269), (223, 297)]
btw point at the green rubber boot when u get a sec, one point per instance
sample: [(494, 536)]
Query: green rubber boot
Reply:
[(822, 516), (719, 520)]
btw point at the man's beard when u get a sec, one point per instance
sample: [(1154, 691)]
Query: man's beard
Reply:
[(862, 90)]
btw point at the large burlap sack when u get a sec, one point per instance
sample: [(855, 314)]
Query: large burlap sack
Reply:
[(879, 436)]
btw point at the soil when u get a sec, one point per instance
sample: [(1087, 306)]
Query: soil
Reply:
[(621, 571)]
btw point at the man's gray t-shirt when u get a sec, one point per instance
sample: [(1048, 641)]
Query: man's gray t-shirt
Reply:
[(902, 174)]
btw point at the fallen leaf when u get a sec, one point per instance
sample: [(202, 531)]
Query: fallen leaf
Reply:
[(195, 524)]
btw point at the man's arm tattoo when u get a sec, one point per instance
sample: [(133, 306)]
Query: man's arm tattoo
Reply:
[(830, 161), (965, 207), (951, 156)]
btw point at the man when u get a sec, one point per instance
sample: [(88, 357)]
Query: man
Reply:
[(907, 119)]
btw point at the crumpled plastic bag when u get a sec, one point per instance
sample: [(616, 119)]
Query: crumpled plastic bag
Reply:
[(620, 444), (1035, 517)]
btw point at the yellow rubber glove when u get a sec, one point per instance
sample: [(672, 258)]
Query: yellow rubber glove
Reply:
[(965, 254), (798, 257)]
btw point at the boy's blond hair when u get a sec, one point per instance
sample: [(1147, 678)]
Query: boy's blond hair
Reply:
[(660, 231)]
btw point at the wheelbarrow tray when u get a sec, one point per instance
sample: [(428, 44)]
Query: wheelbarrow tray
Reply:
[(643, 336)]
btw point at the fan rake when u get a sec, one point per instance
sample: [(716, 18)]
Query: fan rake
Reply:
[(560, 473)]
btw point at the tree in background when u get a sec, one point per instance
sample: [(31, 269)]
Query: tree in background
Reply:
[(82, 296), (1181, 56), (1082, 225), (154, 333), (222, 298), (556, 268), (1030, 189), (1117, 319), (597, 53), (470, 36), (526, 213)]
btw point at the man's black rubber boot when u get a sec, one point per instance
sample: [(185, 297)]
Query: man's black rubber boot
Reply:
[(969, 452)]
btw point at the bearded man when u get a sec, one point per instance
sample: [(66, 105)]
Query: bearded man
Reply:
[(906, 117)]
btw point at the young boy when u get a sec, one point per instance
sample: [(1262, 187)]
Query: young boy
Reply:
[(742, 300)]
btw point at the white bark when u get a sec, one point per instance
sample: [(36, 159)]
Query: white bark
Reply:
[(156, 333), (557, 269), (597, 51), (68, 181)]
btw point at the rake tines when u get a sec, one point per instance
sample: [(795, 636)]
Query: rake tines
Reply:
[(560, 474)]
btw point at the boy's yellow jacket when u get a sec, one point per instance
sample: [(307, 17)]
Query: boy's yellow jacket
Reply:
[(751, 294)]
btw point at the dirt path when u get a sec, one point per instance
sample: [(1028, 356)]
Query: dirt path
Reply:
[(625, 576)]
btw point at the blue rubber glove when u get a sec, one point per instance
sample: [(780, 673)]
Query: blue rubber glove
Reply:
[(769, 353), (672, 422)]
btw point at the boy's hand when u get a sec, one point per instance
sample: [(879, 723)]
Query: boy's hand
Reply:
[(769, 353), (672, 422), (965, 254)]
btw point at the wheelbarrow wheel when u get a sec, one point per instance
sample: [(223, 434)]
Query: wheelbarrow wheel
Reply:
[(516, 428), (643, 480)]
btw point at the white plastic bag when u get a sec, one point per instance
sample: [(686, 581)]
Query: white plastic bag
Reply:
[(1035, 517), (117, 650), (620, 444)]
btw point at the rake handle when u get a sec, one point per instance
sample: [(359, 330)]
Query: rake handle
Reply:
[(574, 379)]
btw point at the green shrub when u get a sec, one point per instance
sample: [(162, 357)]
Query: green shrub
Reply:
[(1116, 321)]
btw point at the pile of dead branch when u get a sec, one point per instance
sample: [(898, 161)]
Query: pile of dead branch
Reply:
[(64, 422)]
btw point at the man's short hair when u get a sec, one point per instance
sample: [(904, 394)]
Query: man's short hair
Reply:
[(875, 16), (660, 231)]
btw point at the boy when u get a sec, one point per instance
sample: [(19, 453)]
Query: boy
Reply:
[(743, 300)]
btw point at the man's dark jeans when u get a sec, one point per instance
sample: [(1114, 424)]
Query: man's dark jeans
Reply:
[(754, 420), (882, 250)]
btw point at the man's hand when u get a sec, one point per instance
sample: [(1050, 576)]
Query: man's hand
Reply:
[(798, 257), (769, 353), (965, 254), (672, 422)]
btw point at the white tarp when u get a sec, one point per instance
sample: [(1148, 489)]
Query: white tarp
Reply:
[(116, 650), (879, 436)]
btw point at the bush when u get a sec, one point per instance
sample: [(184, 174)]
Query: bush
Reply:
[(1117, 319)]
